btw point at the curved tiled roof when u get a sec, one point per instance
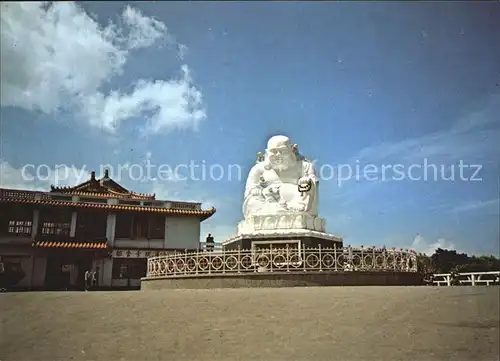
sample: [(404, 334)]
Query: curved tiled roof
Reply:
[(70, 244), (203, 214), (104, 187), (107, 194)]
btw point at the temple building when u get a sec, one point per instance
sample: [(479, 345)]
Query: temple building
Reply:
[(48, 240)]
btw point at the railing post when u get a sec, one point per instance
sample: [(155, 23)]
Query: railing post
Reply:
[(304, 257), (362, 258), (320, 259), (209, 260), (287, 258), (271, 258), (474, 279), (175, 262), (185, 262), (335, 257), (255, 260), (351, 259), (239, 260), (197, 261)]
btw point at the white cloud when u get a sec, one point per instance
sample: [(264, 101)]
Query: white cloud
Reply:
[(421, 245), (40, 179), (173, 104), (55, 57), (474, 206), (183, 49), (144, 31)]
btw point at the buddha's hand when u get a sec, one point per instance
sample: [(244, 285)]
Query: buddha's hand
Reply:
[(296, 207), (274, 188), (305, 183)]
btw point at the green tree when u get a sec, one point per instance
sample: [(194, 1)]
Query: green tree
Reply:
[(425, 266), (446, 261)]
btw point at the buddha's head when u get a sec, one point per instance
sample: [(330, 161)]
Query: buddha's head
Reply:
[(280, 153)]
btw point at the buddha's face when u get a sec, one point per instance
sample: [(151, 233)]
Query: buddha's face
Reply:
[(280, 153)]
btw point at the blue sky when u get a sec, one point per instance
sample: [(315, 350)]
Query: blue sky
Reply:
[(350, 83)]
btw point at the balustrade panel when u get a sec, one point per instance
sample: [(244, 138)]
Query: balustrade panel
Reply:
[(282, 260)]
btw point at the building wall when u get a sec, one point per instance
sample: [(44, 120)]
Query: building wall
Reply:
[(106, 272), (182, 232), (139, 243), (40, 266), (12, 241)]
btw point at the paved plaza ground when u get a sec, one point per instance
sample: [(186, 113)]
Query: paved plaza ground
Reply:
[(330, 323)]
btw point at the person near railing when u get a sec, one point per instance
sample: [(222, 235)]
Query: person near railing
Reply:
[(209, 243)]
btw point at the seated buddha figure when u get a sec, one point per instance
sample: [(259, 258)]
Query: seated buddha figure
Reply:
[(281, 182)]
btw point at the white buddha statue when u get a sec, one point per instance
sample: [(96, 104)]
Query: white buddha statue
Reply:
[(281, 183)]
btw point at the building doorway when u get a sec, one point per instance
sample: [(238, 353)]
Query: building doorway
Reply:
[(66, 271), (127, 272)]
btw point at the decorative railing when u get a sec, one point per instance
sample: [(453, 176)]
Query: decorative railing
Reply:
[(22, 194), (282, 260)]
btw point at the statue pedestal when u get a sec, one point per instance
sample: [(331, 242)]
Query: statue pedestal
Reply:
[(293, 238), (270, 222), (278, 231)]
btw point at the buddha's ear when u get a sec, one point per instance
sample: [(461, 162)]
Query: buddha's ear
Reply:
[(295, 148)]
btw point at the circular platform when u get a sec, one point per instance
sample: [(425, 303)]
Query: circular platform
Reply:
[(278, 279), (289, 267)]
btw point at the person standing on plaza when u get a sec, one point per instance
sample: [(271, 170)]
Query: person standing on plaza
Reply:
[(87, 280)]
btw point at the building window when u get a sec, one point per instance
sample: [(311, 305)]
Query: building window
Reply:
[(55, 223), (20, 227), (60, 229), (137, 226), (157, 227), (16, 220), (141, 225), (123, 225), (91, 224)]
